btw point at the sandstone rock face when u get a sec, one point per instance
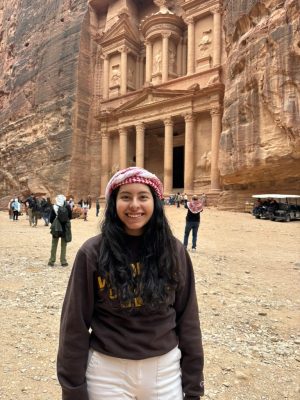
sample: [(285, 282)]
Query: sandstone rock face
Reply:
[(260, 141), (41, 51)]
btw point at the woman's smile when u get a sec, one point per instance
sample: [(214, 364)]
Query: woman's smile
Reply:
[(134, 206)]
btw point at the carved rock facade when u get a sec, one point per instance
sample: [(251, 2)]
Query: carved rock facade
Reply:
[(87, 87)]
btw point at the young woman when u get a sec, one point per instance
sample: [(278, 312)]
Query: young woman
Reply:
[(130, 326)]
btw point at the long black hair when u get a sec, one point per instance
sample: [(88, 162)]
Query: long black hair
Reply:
[(159, 274)]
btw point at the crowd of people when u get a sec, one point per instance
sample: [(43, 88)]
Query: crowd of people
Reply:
[(37, 208)]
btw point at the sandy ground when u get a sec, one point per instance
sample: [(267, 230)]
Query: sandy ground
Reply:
[(247, 277)]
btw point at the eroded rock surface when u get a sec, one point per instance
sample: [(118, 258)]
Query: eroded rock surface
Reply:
[(260, 141), (40, 54)]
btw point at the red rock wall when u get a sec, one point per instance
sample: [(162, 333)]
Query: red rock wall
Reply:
[(41, 49), (260, 141)]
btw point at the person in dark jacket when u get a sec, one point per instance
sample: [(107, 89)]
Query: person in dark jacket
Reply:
[(194, 208), (64, 235), (130, 322)]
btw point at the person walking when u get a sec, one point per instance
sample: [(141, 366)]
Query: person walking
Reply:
[(85, 208), (10, 209), (97, 207), (60, 217), (16, 208), (46, 207), (130, 322), (194, 207), (30, 202)]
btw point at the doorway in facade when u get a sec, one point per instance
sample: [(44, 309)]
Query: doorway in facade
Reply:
[(178, 167)]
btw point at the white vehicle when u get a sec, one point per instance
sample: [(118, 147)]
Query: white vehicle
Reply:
[(277, 207)]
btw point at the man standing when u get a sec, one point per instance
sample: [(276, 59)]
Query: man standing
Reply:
[(194, 207), (60, 216)]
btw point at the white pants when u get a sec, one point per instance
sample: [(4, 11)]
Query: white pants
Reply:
[(155, 378)]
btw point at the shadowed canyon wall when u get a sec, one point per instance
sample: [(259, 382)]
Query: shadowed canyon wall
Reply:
[(44, 100), (260, 140)]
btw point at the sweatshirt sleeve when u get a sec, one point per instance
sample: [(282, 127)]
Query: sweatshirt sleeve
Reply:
[(74, 334), (189, 332)]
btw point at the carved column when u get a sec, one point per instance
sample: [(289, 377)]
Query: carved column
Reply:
[(140, 143), (179, 58), (123, 70), (189, 153), (191, 47), (184, 56), (123, 144), (142, 71), (217, 38), (168, 156), (105, 76), (104, 160), (216, 127), (165, 57), (137, 72), (149, 61)]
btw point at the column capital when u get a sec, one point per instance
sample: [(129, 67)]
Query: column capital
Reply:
[(216, 111), (168, 121), (189, 117), (217, 10), (148, 42), (104, 134), (123, 130), (105, 56), (140, 126), (189, 20), (123, 49), (166, 34)]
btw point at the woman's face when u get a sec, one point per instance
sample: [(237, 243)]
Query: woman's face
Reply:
[(134, 207)]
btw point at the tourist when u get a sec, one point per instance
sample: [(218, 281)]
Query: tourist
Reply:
[(60, 217), (194, 207), (178, 199), (36, 210), (46, 207), (130, 323), (85, 208), (97, 207), (29, 203), (16, 209), (10, 209)]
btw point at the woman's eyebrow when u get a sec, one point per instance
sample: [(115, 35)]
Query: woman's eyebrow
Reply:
[(142, 192)]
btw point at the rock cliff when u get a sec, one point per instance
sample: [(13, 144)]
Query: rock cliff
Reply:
[(260, 141), (42, 49)]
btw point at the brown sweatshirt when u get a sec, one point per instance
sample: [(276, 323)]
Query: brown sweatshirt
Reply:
[(89, 319)]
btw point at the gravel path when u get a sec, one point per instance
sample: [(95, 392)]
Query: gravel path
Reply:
[(248, 279)]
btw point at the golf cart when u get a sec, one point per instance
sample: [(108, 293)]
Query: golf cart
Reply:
[(277, 207)]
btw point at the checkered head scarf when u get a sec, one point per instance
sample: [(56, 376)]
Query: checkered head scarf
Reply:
[(134, 175)]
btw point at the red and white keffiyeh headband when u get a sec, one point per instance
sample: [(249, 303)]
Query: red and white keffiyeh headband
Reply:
[(134, 175), (195, 206)]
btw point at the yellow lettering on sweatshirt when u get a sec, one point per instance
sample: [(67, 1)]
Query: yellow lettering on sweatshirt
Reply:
[(101, 282)]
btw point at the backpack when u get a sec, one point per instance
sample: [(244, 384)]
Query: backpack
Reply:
[(63, 214), (56, 229)]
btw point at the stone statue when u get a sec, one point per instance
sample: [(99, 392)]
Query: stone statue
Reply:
[(163, 8), (204, 42), (172, 56), (157, 62), (115, 77)]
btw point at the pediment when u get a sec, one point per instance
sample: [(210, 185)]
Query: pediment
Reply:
[(153, 97), (121, 30)]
